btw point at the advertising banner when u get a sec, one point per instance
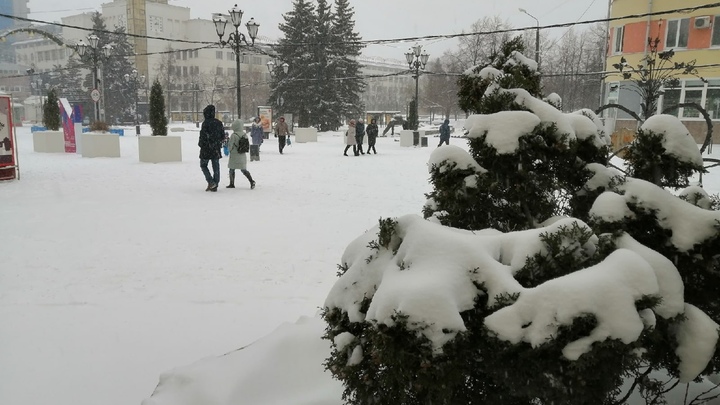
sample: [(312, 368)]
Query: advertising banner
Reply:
[(78, 122), (8, 151), (66, 111), (266, 119)]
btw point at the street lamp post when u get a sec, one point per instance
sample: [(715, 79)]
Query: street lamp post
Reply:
[(537, 35), (416, 62), (135, 81), (235, 41), (36, 83), (97, 53)]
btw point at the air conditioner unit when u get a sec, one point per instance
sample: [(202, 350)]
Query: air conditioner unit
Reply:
[(702, 22)]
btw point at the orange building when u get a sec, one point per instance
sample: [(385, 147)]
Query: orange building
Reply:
[(693, 35)]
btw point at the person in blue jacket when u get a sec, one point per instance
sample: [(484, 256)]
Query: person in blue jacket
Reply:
[(445, 133), (256, 132)]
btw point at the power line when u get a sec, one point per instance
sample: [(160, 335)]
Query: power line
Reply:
[(404, 39)]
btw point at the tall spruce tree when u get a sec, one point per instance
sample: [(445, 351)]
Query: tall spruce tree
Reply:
[(118, 97), (347, 48), (294, 88), (326, 113)]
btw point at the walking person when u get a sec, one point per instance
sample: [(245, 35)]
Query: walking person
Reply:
[(350, 138), (239, 146), (445, 133), (359, 135), (372, 133), (256, 132), (281, 133), (210, 142)]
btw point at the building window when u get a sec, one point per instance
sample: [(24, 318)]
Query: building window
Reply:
[(693, 94), (619, 38), (677, 33), (693, 91), (712, 99), (195, 53), (218, 54), (716, 31), (218, 70)]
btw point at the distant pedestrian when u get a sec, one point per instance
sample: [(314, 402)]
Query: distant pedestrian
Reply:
[(445, 133), (210, 142), (350, 138), (281, 133), (256, 132), (360, 135), (372, 134), (239, 146)]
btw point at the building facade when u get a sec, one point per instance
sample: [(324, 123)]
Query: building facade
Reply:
[(181, 52), (694, 36)]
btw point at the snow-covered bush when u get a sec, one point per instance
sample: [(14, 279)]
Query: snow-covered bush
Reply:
[(664, 152), (539, 275)]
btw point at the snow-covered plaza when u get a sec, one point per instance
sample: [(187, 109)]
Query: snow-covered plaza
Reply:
[(116, 271)]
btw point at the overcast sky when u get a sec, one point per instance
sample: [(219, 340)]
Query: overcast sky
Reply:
[(378, 19)]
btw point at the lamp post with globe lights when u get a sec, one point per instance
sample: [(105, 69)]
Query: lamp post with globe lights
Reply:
[(97, 52), (416, 59), (236, 41), (135, 81)]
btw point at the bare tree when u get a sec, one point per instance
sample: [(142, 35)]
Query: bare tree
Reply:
[(476, 49), (440, 88), (571, 67)]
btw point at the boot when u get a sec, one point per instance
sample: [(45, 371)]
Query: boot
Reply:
[(232, 181), (355, 151), (250, 179), (360, 149), (209, 187), (346, 149)]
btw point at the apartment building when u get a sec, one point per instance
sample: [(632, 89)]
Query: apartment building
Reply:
[(693, 35)]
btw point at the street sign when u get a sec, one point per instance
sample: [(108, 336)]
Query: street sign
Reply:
[(95, 95)]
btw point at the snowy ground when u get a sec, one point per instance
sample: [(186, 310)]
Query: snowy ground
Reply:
[(116, 271)]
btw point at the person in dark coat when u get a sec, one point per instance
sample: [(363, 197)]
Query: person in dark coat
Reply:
[(372, 133), (360, 135), (212, 135), (445, 133)]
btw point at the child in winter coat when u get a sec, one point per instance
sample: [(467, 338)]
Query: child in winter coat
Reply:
[(239, 146)]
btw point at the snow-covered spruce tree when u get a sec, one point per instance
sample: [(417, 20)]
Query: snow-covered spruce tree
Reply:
[(527, 159), (158, 120), (428, 314), (550, 311), (51, 111), (664, 153)]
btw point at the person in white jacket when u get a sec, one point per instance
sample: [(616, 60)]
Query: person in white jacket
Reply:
[(238, 146)]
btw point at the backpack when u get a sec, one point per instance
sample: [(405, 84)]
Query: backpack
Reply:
[(243, 145)]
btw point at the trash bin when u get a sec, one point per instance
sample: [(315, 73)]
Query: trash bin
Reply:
[(416, 138), (254, 152), (424, 141)]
